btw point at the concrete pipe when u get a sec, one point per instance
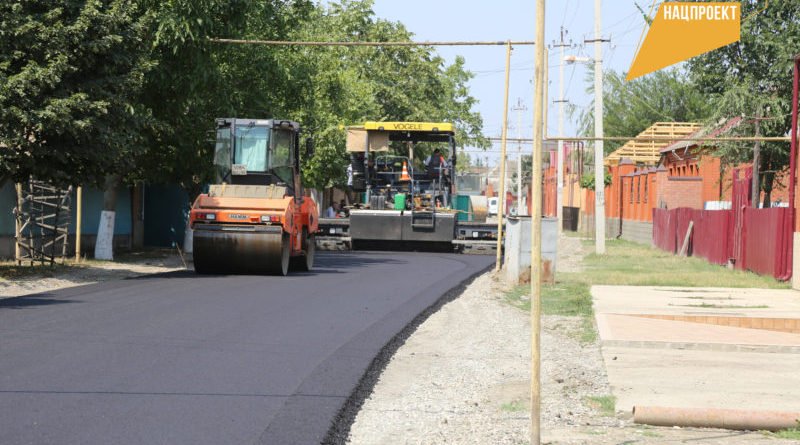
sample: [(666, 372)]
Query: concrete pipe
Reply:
[(731, 419)]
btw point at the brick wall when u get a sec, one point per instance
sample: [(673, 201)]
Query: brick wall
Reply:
[(682, 192)]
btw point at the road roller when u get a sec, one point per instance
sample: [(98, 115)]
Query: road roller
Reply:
[(255, 218)]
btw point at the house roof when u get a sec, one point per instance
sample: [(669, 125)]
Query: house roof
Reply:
[(649, 152), (706, 132)]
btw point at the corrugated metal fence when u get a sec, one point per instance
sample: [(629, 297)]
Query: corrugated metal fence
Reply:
[(752, 239)]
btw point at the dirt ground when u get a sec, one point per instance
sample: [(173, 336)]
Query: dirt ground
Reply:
[(22, 280)]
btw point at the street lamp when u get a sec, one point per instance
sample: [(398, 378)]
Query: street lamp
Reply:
[(575, 59)]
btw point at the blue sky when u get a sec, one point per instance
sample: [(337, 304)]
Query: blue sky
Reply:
[(501, 20)]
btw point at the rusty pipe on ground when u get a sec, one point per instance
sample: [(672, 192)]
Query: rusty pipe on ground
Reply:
[(730, 419)]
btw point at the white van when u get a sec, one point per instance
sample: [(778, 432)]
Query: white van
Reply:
[(492, 207)]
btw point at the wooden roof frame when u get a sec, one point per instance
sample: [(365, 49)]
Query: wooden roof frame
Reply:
[(649, 153)]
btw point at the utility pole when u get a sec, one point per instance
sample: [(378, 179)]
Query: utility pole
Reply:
[(756, 187), (519, 108), (599, 168), (536, 226), (560, 156), (501, 199)]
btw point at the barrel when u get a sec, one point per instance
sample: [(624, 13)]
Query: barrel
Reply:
[(399, 201)]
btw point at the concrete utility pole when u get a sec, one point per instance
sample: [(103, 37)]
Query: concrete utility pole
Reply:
[(536, 227), (560, 156), (756, 187), (519, 108), (599, 168), (504, 136)]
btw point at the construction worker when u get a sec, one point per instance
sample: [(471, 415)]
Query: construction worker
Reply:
[(436, 163), (332, 211), (438, 170)]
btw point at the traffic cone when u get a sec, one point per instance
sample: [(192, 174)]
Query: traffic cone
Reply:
[(404, 174)]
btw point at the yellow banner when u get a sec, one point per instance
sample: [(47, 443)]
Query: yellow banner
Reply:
[(682, 30)]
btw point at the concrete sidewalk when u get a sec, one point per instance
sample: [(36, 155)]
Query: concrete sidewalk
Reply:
[(700, 347)]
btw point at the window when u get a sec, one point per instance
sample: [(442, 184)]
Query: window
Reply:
[(281, 155), (282, 151), (251, 148), (222, 154)]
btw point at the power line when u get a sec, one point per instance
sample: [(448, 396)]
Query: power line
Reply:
[(372, 44)]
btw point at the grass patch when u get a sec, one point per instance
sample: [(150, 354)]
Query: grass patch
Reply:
[(791, 433), (633, 264), (561, 298), (606, 405), (650, 434), (513, 407)]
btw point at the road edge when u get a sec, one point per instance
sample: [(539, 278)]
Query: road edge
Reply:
[(340, 428)]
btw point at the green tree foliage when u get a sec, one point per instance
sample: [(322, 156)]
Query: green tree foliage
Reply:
[(587, 180), (752, 78), (631, 107), (70, 77), (350, 85), (324, 88), (132, 87)]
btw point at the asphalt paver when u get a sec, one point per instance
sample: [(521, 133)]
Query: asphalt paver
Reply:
[(181, 358)]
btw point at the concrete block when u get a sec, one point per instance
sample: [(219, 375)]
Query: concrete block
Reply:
[(517, 260)]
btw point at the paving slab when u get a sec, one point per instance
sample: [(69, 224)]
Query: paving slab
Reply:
[(653, 358)]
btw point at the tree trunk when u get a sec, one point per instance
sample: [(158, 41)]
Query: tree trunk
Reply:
[(769, 178), (104, 246), (194, 190)]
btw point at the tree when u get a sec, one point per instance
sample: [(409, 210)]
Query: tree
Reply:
[(631, 107), (322, 88), (347, 86), (70, 78), (753, 78)]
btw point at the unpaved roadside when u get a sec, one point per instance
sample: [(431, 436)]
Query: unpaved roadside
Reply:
[(22, 280), (464, 376)]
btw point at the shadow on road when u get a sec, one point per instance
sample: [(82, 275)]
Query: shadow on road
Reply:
[(31, 301), (326, 263)]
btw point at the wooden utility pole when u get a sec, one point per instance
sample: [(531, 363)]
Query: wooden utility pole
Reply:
[(536, 226), (78, 222), (502, 185)]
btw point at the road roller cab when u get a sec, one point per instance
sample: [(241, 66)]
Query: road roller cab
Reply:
[(255, 218)]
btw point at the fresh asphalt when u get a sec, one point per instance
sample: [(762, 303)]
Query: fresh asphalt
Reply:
[(186, 359)]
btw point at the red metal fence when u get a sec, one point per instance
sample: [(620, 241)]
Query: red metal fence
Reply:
[(758, 240), (709, 238)]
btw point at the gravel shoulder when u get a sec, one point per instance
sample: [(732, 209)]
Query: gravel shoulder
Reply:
[(464, 378)]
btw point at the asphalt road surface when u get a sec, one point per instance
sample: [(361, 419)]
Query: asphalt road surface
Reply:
[(186, 359)]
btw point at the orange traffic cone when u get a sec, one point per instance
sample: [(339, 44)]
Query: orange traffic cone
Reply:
[(404, 174)]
